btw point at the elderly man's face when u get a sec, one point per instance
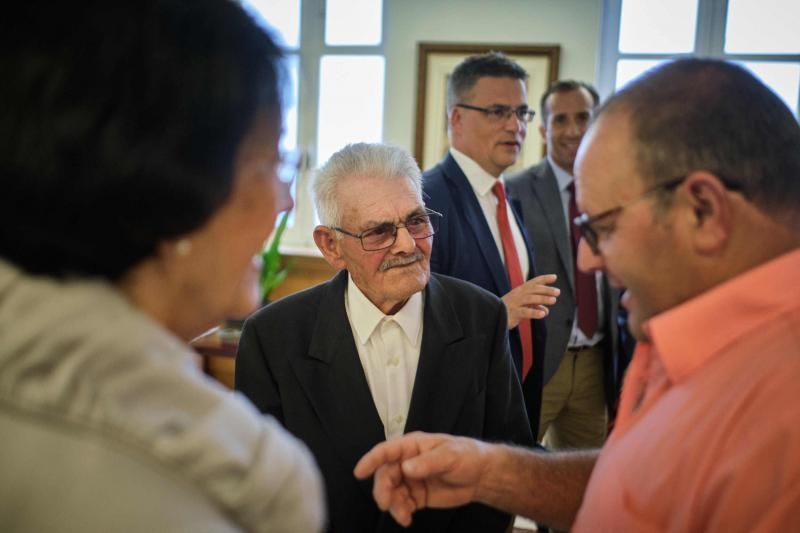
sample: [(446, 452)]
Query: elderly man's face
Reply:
[(639, 250), (390, 276)]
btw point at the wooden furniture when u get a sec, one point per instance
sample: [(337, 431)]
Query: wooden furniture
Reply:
[(217, 357)]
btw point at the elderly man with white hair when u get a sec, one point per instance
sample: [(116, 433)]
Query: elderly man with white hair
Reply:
[(385, 347)]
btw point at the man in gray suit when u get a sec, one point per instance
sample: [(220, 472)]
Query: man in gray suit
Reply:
[(581, 368)]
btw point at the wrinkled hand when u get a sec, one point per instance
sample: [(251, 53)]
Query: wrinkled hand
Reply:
[(422, 470), (530, 300)]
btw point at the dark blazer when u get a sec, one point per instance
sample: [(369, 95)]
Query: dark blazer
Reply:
[(298, 361), (464, 248), (537, 190)]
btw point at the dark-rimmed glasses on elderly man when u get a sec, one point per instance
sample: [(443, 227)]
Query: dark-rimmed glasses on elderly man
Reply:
[(501, 113), (419, 226), (588, 225)]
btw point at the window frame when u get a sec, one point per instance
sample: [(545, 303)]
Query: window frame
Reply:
[(709, 42), (298, 239)]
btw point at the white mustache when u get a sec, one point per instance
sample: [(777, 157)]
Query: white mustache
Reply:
[(401, 261)]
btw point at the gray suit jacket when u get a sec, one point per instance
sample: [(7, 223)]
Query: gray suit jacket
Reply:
[(297, 361), (536, 189)]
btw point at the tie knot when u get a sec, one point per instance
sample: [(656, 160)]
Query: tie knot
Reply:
[(499, 191), (571, 187)]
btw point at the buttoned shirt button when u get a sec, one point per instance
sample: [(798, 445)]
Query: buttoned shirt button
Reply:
[(394, 361)]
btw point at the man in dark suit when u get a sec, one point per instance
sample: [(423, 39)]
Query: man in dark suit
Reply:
[(582, 370), (482, 239), (385, 347)]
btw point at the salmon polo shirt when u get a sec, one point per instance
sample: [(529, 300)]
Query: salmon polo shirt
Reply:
[(708, 432)]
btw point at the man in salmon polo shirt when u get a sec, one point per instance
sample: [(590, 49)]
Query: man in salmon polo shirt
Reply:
[(689, 181)]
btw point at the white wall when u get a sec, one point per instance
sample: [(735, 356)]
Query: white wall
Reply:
[(572, 24)]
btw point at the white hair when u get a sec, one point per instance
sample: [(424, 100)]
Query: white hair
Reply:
[(360, 159)]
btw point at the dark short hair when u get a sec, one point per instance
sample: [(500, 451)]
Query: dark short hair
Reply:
[(706, 114), (121, 122), (468, 72), (565, 86)]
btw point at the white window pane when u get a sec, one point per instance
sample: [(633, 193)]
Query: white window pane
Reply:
[(783, 78), (763, 27), (282, 15), (353, 22), (648, 26), (290, 119), (350, 102), (628, 69)]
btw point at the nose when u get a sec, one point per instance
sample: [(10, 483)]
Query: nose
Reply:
[(514, 123), (404, 243), (588, 261), (574, 129), (283, 196)]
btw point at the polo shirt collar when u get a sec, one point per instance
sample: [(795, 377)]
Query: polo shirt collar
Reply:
[(691, 334)]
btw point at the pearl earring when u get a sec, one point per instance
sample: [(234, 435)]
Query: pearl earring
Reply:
[(183, 247)]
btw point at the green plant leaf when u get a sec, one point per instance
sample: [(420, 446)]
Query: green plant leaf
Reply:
[(272, 271)]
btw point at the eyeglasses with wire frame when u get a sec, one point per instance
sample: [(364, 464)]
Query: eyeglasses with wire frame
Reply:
[(419, 226), (500, 113), (587, 225)]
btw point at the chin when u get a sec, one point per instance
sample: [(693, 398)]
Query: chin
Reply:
[(410, 281), (244, 302)]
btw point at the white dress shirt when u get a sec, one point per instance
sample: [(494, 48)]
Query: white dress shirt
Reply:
[(577, 337), (482, 183), (388, 346)]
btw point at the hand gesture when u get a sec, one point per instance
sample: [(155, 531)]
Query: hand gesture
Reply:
[(530, 300), (422, 470)]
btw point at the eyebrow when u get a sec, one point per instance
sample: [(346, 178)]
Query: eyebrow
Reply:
[(420, 210)]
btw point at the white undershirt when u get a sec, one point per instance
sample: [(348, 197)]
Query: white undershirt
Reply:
[(482, 183), (388, 347)]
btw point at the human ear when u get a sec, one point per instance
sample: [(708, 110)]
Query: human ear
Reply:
[(710, 212), (329, 245)]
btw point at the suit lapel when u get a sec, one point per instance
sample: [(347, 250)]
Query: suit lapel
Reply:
[(333, 379), (545, 189), (445, 357), (475, 221)]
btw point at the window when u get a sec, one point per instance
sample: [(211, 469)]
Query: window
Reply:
[(337, 64), (759, 34)]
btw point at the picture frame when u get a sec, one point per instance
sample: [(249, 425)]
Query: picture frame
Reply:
[(435, 62)]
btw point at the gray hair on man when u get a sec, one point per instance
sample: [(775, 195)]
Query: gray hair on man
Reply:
[(360, 159)]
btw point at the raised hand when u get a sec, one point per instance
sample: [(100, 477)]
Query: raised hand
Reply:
[(530, 300)]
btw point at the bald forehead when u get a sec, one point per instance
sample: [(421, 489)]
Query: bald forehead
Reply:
[(606, 160)]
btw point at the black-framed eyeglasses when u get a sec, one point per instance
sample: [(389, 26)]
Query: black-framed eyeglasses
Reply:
[(588, 225), (500, 113), (419, 226)]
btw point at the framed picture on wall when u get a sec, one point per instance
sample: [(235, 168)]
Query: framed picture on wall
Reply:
[(436, 61)]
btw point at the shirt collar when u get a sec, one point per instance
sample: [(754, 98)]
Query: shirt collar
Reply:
[(691, 334), (563, 177), (365, 316), (480, 180)]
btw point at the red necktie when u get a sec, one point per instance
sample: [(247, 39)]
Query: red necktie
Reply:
[(514, 273), (585, 284)]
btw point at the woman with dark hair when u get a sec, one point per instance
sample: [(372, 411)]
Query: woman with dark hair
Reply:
[(139, 171)]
